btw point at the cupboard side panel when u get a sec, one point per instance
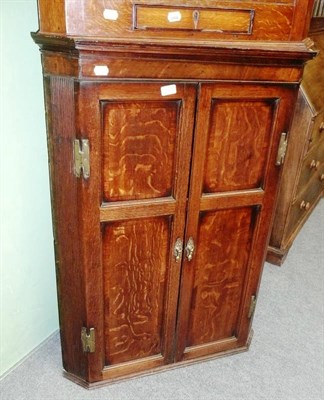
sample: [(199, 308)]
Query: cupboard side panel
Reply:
[(297, 145), (59, 101)]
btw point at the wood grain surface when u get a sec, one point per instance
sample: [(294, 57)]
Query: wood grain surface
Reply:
[(193, 19), (135, 256), (238, 139), (223, 246), (138, 149)]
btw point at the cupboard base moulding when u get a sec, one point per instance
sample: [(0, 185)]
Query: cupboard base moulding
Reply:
[(164, 368)]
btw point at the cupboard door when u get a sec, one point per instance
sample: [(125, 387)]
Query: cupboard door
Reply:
[(232, 191), (133, 209)]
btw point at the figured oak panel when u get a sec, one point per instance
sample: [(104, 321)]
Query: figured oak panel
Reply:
[(139, 139), (135, 255), (223, 248), (237, 147)]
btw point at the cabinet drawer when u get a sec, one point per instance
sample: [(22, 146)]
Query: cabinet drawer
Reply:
[(227, 20), (317, 131), (305, 202), (313, 165), (195, 19)]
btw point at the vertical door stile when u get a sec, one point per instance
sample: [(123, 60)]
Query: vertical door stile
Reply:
[(194, 192), (184, 144)]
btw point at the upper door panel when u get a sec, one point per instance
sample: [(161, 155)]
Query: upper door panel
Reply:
[(238, 139), (139, 142)]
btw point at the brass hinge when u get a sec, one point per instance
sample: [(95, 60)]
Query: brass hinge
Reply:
[(252, 306), (282, 149), (88, 340), (81, 156)]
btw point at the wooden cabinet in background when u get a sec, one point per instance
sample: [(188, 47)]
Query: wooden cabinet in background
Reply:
[(302, 182), (166, 128)]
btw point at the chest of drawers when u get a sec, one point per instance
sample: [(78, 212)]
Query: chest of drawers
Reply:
[(302, 182)]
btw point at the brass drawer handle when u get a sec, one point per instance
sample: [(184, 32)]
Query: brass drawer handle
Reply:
[(190, 248), (177, 250), (314, 165), (304, 205)]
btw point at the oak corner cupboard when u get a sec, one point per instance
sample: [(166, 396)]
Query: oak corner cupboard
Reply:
[(167, 126)]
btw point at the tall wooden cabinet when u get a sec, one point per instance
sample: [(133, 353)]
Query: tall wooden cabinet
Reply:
[(167, 126)]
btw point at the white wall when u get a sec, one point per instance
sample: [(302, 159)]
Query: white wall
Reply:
[(27, 274)]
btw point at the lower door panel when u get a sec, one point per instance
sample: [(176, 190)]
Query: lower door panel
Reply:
[(223, 247)]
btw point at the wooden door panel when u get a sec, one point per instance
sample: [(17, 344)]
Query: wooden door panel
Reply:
[(140, 153), (238, 138), (223, 247), (139, 140), (135, 263), (232, 191)]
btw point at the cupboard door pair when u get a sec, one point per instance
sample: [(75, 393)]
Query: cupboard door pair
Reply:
[(174, 216)]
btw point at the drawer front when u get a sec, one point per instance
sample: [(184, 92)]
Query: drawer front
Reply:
[(193, 19), (136, 68), (167, 19), (317, 134), (305, 202), (312, 168)]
